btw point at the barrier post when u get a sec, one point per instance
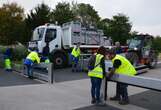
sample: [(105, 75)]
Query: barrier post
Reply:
[(50, 73)]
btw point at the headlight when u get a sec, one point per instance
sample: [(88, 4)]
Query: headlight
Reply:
[(135, 48)]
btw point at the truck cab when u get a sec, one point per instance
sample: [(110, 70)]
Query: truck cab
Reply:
[(46, 34)]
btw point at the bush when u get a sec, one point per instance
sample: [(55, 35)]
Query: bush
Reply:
[(2, 49), (18, 52)]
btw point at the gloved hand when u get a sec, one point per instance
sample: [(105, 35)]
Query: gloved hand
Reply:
[(107, 77)]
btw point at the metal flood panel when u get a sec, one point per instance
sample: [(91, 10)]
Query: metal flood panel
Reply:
[(42, 71), (144, 82)]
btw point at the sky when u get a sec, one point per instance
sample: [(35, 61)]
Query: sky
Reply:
[(144, 15)]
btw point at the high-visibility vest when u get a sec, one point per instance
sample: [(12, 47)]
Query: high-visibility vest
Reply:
[(8, 63), (33, 56), (76, 52), (126, 68), (97, 71)]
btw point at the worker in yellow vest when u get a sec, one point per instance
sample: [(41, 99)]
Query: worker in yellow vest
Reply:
[(30, 60), (96, 75), (7, 59), (75, 57), (120, 66)]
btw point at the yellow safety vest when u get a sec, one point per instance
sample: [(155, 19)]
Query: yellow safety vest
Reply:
[(34, 56), (97, 71), (8, 63), (76, 52), (126, 68)]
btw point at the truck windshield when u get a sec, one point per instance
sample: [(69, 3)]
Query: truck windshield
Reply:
[(133, 43), (50, 35), (38, 34)]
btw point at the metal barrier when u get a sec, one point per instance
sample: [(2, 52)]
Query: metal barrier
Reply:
[(42, 71), (138, 81)]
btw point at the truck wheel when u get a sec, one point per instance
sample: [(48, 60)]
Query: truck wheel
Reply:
[(59, 60)]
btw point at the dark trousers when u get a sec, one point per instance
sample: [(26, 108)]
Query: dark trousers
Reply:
[(29, 70), (121, 91), (95, 88)]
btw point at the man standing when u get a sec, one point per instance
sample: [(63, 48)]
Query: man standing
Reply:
[(75, 57), (45, 53), (96, 75), (118, 48), (30, 60), (120, 66)]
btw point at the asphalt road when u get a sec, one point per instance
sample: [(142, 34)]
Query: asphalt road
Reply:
[(70, 92)]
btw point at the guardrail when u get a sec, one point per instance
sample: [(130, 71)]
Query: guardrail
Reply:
[(42, 71)]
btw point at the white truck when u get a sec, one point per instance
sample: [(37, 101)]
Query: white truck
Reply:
[(62, 39)]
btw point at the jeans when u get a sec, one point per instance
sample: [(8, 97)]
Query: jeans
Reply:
[(95, 88), (121, 91), (75, 63), (30, 70)]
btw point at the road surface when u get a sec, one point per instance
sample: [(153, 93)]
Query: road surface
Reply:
[(70, 92)]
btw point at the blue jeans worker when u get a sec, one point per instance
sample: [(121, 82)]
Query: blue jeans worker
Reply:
[(96, 75), (7, 59), (29, 62), (75, 54), (120, 66), (75, 61)]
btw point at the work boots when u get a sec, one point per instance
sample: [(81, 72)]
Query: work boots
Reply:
[(124, 102), (93, 101), (115, 98)]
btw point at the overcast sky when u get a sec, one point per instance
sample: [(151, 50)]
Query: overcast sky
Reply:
[(145, 15)]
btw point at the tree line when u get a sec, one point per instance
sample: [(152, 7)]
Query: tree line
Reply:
[(15, 25)]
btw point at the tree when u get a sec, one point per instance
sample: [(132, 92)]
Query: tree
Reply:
[(11, 23), (62, 13), (103, 24), (119, 28), (86, 13), (157, 43), (38, 16)]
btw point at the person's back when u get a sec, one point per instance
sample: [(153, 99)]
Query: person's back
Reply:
[(126, 67), (34, 56), (29, 61)]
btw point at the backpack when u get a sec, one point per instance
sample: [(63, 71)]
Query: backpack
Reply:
[(91, 62)]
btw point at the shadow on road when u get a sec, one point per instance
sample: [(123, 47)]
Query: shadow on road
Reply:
[(148, 99), (93, 107)]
